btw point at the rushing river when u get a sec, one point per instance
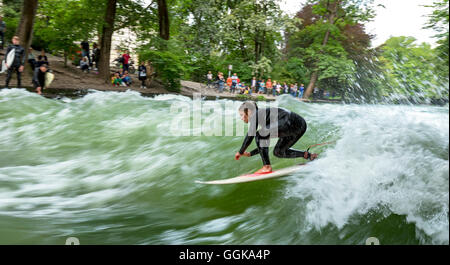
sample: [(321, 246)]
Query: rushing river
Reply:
[(108, 168)]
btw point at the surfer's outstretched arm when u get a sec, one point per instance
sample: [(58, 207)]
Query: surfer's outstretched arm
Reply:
[(247, 141)]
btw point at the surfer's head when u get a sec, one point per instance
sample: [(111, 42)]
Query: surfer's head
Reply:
[(16, 40), (247, 109)]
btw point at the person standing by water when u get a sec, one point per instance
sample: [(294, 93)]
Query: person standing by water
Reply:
[(96, 55), (209, 78), (126, 61), (18, 63), (253, 84), (315, 93), (229, 82), (220, 81), (274, 88), (262, 87), (302, 89), (2, 32), (142, 72), (39, 78), (286, 88), (234, 82), (268, 86), (294, 90)]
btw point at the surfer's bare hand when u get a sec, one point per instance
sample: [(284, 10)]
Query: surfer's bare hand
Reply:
[(247, 154), (237, 156)]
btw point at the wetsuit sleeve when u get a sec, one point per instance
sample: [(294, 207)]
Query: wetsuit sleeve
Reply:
[(247, 141), (250, 134), (22, 55)]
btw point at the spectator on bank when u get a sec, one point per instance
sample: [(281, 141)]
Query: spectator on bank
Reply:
[(285, 88), (274, 88), (253, 84), (234, 83), (220, 81), (268, 85), (278, 88), (18, 63), (126, 78), (142, 73), (301, 91), (95, 55), (209, 79), (229, 82), (31, 59), (262, 86), (84, 65), (315, 93), (116, 80), (42, 59), (85, 51), (293, 90), (39, 78), (126, 61)]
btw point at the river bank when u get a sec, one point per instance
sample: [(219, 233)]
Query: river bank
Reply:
[(71, 82)]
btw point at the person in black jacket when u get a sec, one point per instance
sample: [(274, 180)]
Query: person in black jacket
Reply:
[(142, 72), (39, 78), (280, 123), (42, 59), (18, 63)]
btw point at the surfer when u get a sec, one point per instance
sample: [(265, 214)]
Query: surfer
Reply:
[(280, 123), (18, 63), (39, 78)]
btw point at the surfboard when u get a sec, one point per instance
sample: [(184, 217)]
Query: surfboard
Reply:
[(48, 79), (9, 60), (254, 177)]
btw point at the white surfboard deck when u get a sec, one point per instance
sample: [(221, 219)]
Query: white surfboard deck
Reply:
[(9, 60), (254, 177), (48, 79)]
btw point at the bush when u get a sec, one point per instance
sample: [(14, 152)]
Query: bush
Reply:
[(261, 98), (169, 67), (243, 97)]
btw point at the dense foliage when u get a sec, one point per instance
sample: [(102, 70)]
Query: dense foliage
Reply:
[(324, 45)]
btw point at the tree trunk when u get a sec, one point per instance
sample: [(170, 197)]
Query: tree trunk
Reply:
[(241, 41), (163, 16), (25, 28), (105, 48), (315, 74)]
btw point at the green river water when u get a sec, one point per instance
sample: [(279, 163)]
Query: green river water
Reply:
[(114, 168)]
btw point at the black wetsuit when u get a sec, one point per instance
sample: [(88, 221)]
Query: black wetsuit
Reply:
[(280, 123), (19, 60), (39, 78)]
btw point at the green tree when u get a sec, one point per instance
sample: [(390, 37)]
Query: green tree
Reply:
[(322, 47), (439, 21), (66, 22), (409, 70)]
